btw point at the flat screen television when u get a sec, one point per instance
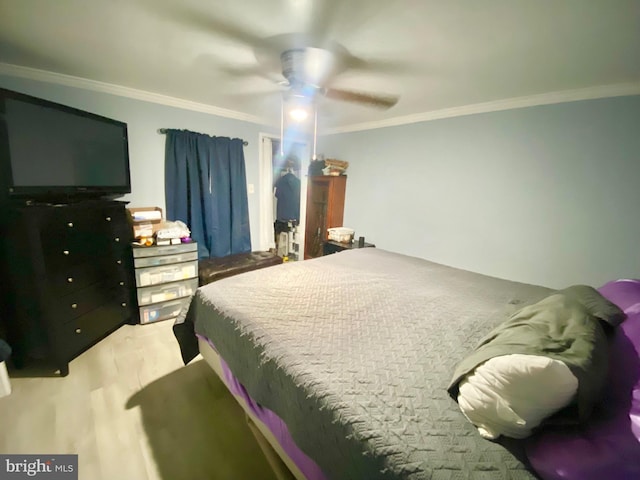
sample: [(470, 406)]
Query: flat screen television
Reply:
[(52, 151)]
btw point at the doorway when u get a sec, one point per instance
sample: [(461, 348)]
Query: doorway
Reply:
[(276, 161)]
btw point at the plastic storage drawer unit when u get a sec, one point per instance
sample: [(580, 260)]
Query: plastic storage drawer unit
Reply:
[(157, 261), (166, 277), (166, 273), (167, 291), (139, 252), (162, 311)]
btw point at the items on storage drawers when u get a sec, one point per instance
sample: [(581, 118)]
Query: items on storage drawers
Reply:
[(146, 221), (166, 277)]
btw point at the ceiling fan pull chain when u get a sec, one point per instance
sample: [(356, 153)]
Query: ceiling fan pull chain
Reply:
[(315, 130), (282, 126)]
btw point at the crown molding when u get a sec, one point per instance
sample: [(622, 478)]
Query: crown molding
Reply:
[(564, 96), (603, 91), (103, 87)]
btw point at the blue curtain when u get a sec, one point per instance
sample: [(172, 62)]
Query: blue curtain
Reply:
[(206, 188)]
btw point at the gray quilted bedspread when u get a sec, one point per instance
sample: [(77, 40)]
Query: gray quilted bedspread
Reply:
[(354, 352)]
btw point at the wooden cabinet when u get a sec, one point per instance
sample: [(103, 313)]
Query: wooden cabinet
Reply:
[(325, 209), (68, 277)]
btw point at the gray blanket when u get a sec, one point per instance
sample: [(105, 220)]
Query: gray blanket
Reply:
[(354, 351)]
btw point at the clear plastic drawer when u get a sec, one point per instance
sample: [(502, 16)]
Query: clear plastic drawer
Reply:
[(166, 292), (162, 311), (165, 259), (166, 273), (164, 250)]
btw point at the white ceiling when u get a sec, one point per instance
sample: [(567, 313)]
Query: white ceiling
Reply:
[(447, 53)]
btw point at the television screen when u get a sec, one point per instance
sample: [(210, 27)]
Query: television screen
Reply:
[(48, 149)]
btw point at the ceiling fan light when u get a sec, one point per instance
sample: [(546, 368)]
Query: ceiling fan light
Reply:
[(298, 114)]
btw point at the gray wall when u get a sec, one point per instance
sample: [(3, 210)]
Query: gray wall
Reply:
[(547, 195), (146, 146)]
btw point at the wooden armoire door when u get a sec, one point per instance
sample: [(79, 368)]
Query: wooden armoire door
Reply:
[(325, 209)]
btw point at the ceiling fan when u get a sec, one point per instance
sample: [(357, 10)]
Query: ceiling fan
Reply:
[(309, 72), (306, 64)]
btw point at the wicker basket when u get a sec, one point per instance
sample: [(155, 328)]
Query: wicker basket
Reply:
[(341, 234)]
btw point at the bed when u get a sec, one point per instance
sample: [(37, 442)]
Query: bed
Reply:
[(343, 362)]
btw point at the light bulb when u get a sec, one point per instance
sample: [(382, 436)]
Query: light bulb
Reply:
[(298, 114)]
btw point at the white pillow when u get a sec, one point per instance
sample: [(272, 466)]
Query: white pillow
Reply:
[(510, 395)]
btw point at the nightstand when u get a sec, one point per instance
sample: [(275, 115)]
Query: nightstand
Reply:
[(330, 246)]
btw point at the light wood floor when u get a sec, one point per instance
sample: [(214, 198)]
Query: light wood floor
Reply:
[(132, 411)]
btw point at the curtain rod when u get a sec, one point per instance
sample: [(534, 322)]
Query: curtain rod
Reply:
[(164, 130)]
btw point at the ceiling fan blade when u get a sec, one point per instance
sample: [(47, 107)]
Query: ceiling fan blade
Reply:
[(378, 66), (206, 21), (323, 16), (255, 95), (371, 99), (253, 71)]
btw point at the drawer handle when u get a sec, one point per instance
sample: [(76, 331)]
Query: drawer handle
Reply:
[(124, 304), (108, 219), (117, 239), (65, 252), (119, 262), (121, 284), (74, 305), (70, 280), (78, 330), (70, 224)]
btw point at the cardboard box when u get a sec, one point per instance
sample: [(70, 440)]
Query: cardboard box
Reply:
[(145, 220)]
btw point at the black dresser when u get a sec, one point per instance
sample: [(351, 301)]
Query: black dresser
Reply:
[(68, 278)]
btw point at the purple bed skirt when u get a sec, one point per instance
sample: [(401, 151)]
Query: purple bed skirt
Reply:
[(276, 426), (608, 447)]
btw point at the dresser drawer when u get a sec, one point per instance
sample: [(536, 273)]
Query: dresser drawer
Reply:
[(139, 252), (167, 273), (162, 311), (78, 334), (77, 246), (71, 278), (84, 300), (142, 262), (75, 277), (60, 256), (166, 291), (81, 242)]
